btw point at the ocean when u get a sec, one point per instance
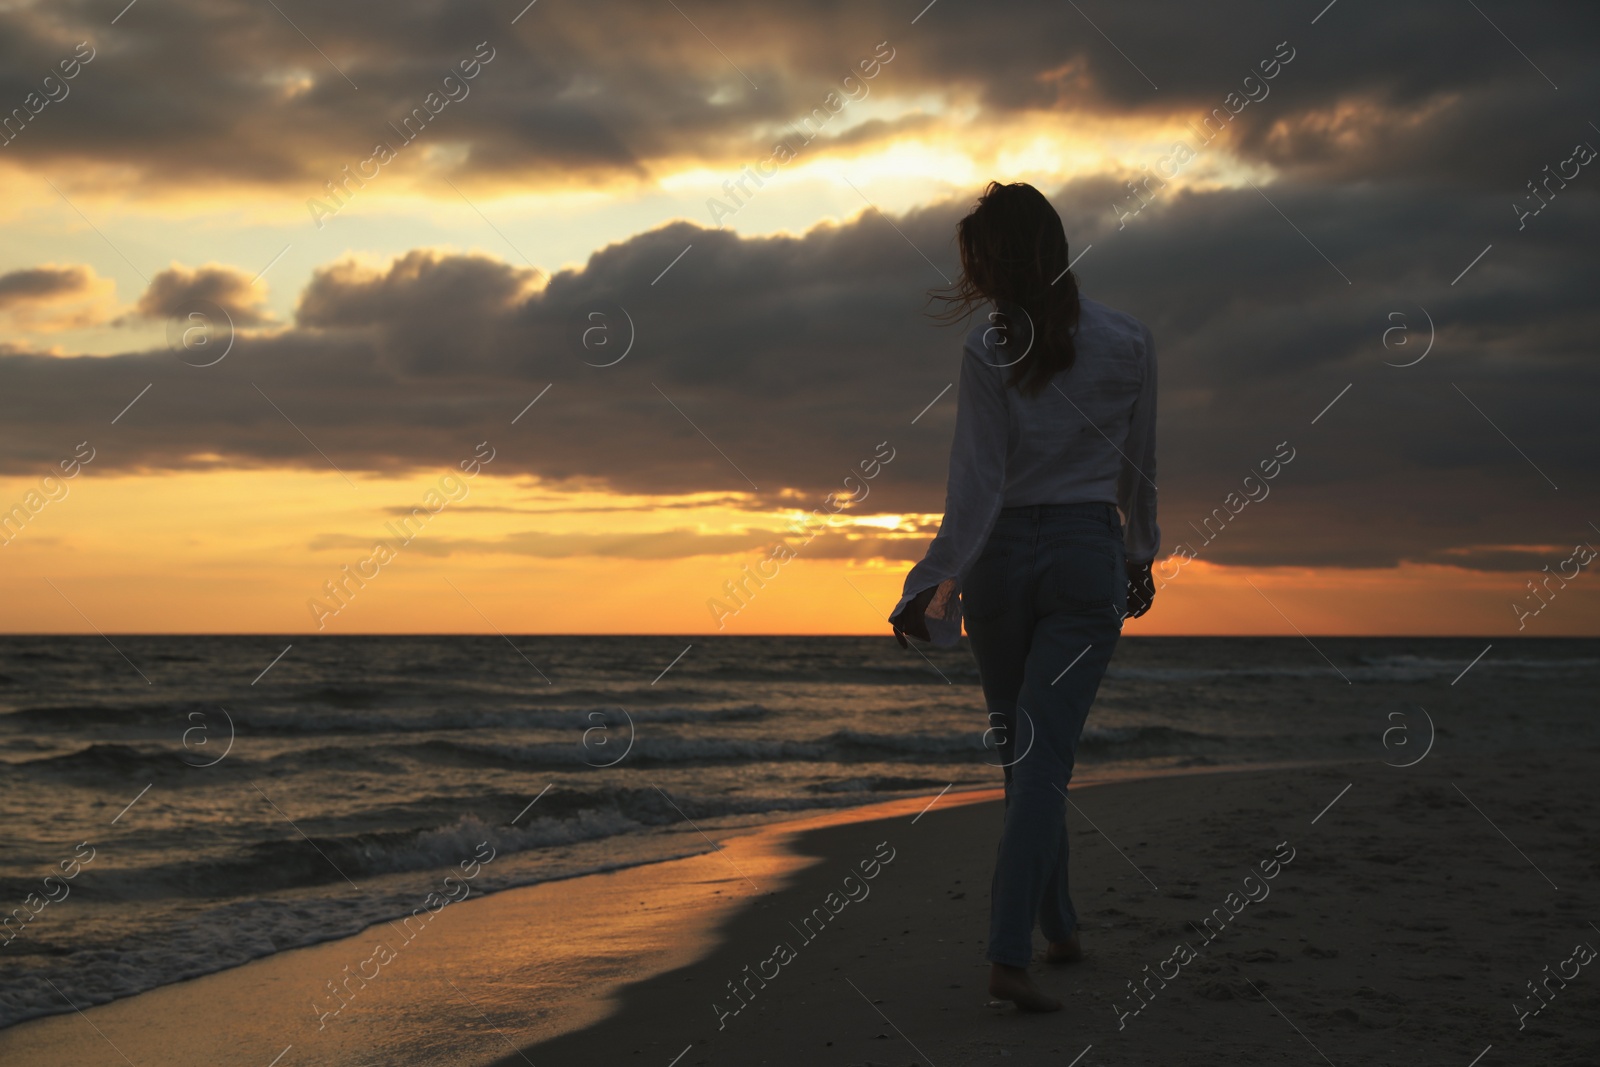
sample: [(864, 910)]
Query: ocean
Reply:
[(174, 806)]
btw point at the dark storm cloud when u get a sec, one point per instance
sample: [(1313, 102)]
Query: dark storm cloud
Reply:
[(784, 362), (188, 92)]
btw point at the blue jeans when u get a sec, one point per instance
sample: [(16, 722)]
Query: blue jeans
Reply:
[(1043, 607)]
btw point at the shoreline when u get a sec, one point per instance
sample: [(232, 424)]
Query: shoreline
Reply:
[(765, 846), (777, 820), (646, 961), (542, 933)]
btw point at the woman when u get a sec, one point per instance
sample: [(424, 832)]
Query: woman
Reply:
[(1055, 431)]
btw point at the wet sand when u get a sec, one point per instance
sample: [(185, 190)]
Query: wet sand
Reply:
[(484, 976)]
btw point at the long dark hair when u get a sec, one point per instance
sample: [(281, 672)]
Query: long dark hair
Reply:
[(1014, 256)]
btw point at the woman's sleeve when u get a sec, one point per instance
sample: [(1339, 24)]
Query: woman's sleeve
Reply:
[(973, 494), (1136, 487)]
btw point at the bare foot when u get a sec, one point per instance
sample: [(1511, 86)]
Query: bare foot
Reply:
[(1068, 951), (1013, 984)]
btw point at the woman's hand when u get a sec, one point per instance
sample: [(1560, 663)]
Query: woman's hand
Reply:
[(1141, 590), (912, 620)]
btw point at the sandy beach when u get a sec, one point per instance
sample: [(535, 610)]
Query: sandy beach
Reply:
[(1404, 929), (1356, 913)]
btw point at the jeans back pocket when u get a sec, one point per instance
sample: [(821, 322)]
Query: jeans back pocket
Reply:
[(987, 592), (1081, 576)]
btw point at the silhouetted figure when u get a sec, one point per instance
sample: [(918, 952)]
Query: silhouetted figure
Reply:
[(1055, 432)]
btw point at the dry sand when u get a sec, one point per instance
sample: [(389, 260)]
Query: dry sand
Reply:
[(1400, 932)]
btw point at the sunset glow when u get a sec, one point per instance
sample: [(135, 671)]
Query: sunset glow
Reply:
[(376, 327)]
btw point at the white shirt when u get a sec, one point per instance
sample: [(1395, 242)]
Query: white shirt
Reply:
[(1088, 437)]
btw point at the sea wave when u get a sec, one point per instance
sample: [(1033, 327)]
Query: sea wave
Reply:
[(204, 936), (1366, 669), (231, 913), (297, 720), (170, 763)]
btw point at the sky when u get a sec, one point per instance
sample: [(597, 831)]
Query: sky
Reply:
[(556, 318)]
